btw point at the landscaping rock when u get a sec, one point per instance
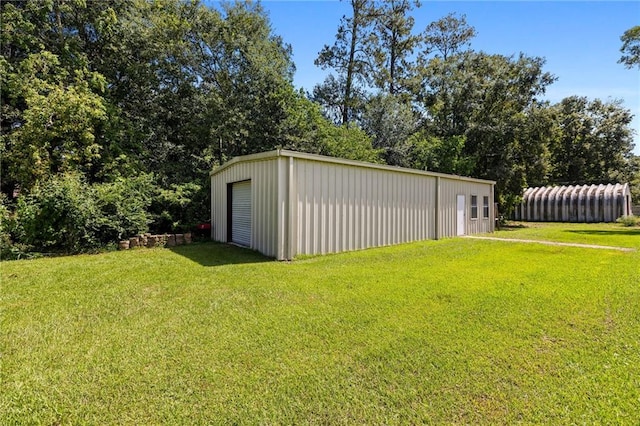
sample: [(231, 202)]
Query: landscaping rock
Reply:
[(134, 242), (123, 245), (151, 241), (179, 239), (187, 238), (171, 240)]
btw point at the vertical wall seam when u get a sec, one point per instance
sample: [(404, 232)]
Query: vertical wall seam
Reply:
[(436, 218)]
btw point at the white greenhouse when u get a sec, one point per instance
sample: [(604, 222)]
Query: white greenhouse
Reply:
[(581, 203), (285, 203)]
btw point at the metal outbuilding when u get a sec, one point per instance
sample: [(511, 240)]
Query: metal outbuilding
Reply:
[(286, 203), (580, 203)]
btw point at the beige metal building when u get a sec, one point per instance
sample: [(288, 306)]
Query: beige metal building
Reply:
[(285, 203)]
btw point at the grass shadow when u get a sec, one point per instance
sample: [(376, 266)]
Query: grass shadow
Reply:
[(218, 254), (604, 232), (511, 227)]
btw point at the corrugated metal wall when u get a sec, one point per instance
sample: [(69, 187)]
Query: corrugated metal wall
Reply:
[(264, 190), (305, 204), (449, 189), (342, 207), (585, 203)]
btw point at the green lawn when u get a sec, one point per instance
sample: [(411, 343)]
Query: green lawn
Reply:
[(607, 234), (455, 331)]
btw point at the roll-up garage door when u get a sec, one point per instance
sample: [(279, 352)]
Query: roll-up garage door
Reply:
[(241, 213)]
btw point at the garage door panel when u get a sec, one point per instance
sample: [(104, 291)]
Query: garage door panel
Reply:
[(241, 213)]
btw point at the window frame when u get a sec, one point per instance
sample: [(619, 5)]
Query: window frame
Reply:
[(473, 207), (485, 207)]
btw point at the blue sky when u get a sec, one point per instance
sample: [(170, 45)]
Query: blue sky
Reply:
[(579, 39)]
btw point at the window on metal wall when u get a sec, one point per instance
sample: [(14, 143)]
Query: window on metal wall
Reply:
[(474, 207), (485, 207)]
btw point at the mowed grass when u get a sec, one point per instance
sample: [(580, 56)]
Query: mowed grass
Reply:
[(455, 331), (608, 234)]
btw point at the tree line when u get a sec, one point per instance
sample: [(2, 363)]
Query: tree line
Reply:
[(429, 101), (117, 111)]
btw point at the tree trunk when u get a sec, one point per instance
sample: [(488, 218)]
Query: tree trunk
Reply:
[(392, 63), (346, 106)]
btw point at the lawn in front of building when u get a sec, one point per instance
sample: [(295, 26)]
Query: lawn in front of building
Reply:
[(457, 330)]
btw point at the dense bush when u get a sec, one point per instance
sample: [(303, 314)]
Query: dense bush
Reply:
[(628, 220), (122, 207), (5, 225), (180, 207), (8, 248), (65, 214), (56, 215)]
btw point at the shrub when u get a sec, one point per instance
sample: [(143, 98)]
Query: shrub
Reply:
[(630, 220), (180, 207), (5, 226), (57, 215), (122, 207), (65, 214), (9, 249)]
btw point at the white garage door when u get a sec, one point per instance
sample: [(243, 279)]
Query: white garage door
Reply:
[(241, 213)]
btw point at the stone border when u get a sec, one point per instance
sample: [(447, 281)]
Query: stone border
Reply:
[(160, 240)]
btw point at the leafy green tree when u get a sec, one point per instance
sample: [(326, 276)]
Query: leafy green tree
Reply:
[(391, 46), (448, 35), (488, 99), (389, 120), (220, 87), (330, 95), (594, 144), (52, 102), (630, 47), (439, 154), (68, 36), (348, 57), (115, 89), (308, 131), (634, 178), (246, 75), (56, 131), (538, 130), (351, 143)]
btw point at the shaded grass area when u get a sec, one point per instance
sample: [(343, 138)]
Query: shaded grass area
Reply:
[(606, 234), (458, 330)]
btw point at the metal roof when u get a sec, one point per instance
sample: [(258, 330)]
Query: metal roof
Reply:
[(323, 158)]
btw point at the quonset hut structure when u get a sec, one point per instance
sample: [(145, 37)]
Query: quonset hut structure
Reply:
[(581, 203)]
